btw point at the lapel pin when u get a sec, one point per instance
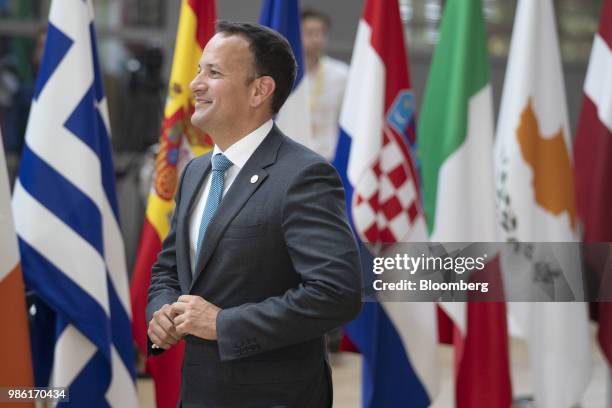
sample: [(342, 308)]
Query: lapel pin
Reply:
[(254, 179)]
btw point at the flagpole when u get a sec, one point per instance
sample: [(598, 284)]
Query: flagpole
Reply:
[(609, 388)]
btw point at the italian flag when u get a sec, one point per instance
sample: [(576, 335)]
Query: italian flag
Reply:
[(455, 139)]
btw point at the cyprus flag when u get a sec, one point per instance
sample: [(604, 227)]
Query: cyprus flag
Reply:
[(535, 190)]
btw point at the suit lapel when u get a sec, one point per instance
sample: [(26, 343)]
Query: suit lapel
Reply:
[(192, 185), (239, 193)]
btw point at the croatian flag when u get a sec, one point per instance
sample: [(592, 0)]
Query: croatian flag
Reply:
[(67, 221), (294, 117), (375, 158)]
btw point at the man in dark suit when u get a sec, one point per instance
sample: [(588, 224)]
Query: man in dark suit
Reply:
[(260, 261)]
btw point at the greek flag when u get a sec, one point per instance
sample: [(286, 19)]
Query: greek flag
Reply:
[(67, 221)]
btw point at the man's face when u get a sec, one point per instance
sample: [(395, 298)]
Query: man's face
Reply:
[(221, 87), (314, 36)]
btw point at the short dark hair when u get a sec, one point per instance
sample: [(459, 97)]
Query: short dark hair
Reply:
[(316, 14), (272, 55)]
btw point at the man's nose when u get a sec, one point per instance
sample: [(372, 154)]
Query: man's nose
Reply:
[(198, 83)]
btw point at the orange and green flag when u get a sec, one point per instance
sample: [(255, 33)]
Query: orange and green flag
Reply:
[(179, 141), (16, 369)]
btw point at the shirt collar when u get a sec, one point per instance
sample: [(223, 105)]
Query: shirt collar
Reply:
[(241, 151)]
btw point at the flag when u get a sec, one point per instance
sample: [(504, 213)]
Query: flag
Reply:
[(593, 155), (15, 342), (535, 184), (66, 219), (374, 157), (455, 138), (179, 142), (294, 117)]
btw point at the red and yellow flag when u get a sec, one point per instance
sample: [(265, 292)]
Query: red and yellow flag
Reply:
[(15, 341), (179, 142)]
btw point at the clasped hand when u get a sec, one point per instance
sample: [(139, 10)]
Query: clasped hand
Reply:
[(188, 315)]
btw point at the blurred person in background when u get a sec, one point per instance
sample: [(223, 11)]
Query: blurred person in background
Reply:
[(17, 84), (18, 103), (327, 78)]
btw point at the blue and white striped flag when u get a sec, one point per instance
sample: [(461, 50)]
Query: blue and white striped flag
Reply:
[(294, 117), (67, 220)]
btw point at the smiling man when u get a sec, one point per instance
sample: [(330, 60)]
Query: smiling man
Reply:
[(260, 261)]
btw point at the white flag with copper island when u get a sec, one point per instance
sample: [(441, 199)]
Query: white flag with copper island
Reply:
[(535, 188)]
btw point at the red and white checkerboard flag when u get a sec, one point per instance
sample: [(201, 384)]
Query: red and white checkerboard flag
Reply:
[(374, 157)]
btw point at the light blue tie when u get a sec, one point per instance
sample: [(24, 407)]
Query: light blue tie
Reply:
[(220, 164)]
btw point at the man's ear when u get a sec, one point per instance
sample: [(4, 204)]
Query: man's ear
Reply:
[(263, 90)]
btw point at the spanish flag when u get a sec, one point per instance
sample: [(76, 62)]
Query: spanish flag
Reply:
[(179, 142), (15, 342)]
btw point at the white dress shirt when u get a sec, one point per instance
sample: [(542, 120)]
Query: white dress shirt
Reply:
[(326, 92), (238, 153)]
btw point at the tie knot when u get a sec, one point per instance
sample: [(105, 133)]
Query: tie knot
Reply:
[(221, 163)]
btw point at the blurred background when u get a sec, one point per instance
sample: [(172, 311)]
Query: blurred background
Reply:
[(136, 41)]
